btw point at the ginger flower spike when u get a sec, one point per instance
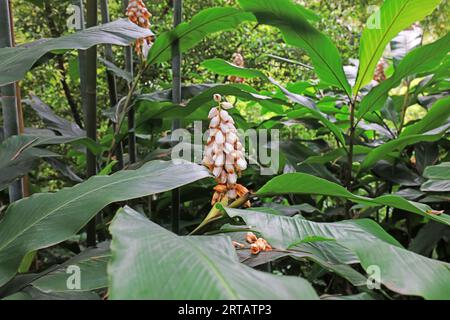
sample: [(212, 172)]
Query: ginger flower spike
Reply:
[(138, 14), (238, 60), (224, 153)]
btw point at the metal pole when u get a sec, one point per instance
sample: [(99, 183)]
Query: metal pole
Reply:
[(131, 112), (176, 99), (111, 79), (88, 76), (8, 93)]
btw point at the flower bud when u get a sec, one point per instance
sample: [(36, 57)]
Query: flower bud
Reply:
[(227, 105), (219, 137), (212, 113), (241, 164)]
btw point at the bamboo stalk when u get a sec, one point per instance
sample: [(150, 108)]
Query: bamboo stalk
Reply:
[(21, 123), (88, 77), (9, 93), (176, 99), (111, 79), (131, 112)]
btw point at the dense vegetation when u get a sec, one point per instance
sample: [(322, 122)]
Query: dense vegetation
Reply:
[(347, 198)]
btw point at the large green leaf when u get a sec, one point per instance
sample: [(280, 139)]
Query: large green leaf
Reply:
[(46, 219), (436, 116), (16, 62), (399, 144), (19, 154), (436, 186), (393, 17), (439, 172), (225, 68), (18, 157), (190, 33), (326, 252), (52, 121), (312, 109), (423, 59), (401, 270), (297, 31), (198, 106), (149, 262), (31, 293), (302, 183), (91, 264)]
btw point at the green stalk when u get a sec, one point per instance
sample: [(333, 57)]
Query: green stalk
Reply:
[(8, 93), (176, 99), (111, 79), (404, 107), (88, 77), (131, 112), (124, 108)]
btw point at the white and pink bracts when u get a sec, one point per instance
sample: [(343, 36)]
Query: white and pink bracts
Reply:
[(224, 153)]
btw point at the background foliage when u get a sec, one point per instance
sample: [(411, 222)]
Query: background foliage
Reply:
[(329, 216)]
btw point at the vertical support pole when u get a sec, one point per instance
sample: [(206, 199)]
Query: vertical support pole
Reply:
[(176, 99), (88, 77), (131, 112), (25, 180), (111, 79), (8, 93)]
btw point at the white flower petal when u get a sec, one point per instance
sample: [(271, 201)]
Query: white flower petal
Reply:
[(224, 115), (231, 194), (231, 138), (217, 148), (219, 161), (214, 122), (219, 138), (228, 148), (232, 178), (217, 171), (224, 127), (241, 164), (227, 105), (212, 113)]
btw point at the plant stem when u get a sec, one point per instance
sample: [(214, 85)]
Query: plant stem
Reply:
[(176, 99), (351, 137), (55, 33), (8, 93), (404, 107), (123, 110), (216, 214)]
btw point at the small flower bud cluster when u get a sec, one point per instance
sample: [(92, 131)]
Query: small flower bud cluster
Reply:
[(224, 153), (379, 75), (238, 60), (138, 14), (257, 244)]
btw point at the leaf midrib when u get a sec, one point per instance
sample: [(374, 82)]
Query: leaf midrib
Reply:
[(215, 270), (358, 86), (187, 32), (74, 199)]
